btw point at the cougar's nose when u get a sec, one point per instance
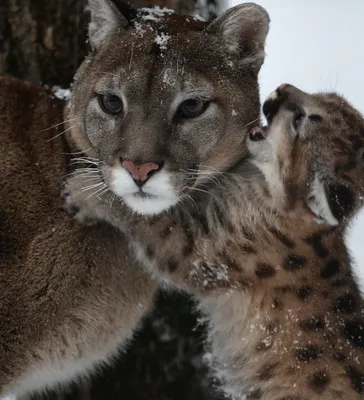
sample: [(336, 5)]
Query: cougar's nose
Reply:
[(141, 172)]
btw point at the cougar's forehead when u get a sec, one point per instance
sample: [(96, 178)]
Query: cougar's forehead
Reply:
[(149, 57)]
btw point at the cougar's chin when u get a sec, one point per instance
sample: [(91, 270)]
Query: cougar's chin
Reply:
[(148, 205), (154, 197)]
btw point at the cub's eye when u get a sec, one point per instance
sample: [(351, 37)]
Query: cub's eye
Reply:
[(192, 108), (110, 103), (297, 119)]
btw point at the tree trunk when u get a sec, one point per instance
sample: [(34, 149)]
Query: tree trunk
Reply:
[(44, 41)]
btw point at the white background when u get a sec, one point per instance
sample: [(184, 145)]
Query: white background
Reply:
[(318, 45)]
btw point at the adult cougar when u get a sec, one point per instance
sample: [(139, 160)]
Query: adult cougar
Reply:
[(71, 296)]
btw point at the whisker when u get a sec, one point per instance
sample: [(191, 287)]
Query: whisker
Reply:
[(213, 169), (82, 172), (200, 190), (87, 158), (103, 192), (54, 126), (112, 199), (96, 192), (252, 122), (84, 161), (87, 188), (59, 134), (77, 152)]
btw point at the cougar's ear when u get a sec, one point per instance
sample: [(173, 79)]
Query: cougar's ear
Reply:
[(244, 29), (106, 17), (318, 202)]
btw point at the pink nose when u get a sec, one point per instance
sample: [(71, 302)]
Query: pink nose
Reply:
[(140, 172)]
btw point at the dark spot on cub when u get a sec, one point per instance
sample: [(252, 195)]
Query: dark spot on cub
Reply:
[(356, 377), (346, 304), (341, 200), (244, 283), (312, 324), (331, 268), (319, 381), (354, 331), (282, 237), (247, 234), (340, 357), (308, 353), (315, 240), (340, 282), (224, 257), (247, 248), (294, 262), (264, 270), (277, 304), (284, 289), (304, 292)]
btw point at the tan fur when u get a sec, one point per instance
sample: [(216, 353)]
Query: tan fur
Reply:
[(270, 267), (70, 296)]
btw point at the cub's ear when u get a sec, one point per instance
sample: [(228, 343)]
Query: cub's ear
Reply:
[(318, 202), (106, 17), (244, 29)]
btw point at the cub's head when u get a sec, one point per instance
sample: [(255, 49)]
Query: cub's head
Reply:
[(312, 152), (164, 102)]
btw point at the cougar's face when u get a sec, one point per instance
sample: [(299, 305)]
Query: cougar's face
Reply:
[(164, 109)]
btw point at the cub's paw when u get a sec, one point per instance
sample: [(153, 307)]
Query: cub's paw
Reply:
[(81, 203)]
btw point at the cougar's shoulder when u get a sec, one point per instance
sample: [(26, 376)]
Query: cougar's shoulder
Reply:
[(31, 117), (69, 296)]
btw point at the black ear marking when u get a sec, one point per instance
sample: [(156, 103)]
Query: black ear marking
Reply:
[(341, 200), (317, 201)]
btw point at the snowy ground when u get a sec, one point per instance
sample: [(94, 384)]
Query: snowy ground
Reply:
[(318, 46)]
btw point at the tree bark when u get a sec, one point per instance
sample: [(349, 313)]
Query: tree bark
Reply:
[(44, 41)]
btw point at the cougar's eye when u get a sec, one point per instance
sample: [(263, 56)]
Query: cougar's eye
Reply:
[(192, 108), (297, 119), (110, 103)]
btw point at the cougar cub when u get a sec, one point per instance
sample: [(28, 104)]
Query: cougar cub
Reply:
[(261, 245)]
